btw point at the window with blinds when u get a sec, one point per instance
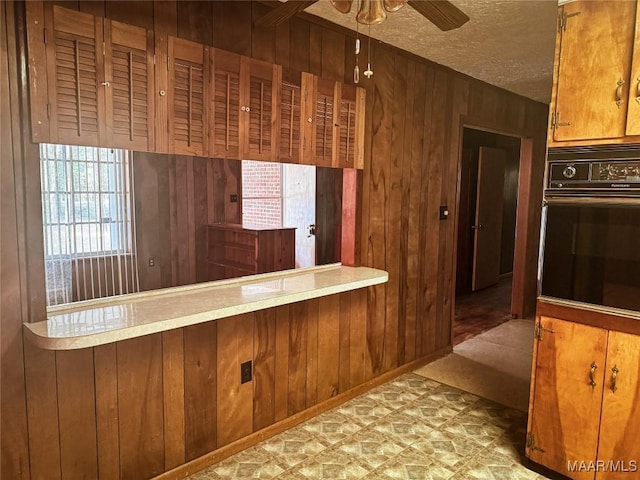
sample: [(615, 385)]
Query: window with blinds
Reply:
[(88, 223)]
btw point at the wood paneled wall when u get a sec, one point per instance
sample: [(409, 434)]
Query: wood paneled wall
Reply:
[(136, 408), (176, 197), (139, 407)]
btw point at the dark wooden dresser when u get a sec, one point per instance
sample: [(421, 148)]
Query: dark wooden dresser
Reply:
[(236, 251)]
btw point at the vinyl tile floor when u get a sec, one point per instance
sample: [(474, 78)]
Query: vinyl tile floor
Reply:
[(409, 428)]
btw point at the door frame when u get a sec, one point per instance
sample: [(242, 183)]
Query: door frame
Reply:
[(523, 218)]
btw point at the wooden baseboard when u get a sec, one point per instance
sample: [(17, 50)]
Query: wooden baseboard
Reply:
[(220, 454)]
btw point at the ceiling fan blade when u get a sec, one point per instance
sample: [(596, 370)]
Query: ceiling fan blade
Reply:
[(283, 12), (443, 14)]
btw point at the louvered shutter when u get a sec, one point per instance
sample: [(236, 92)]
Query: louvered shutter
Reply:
[(225, 107), (259, 117), (349, 131), (129, 71), (324, 123), (290, 131), (75, 69), (188, 111)]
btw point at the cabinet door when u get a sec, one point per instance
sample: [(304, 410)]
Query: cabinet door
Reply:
[(633, 115), (322, 126), (620, 428), (349, 127), (188, 84), (75, 73), (290, 117), (567, 382), (225, 105), (129, 71), (593, 72), (259, 90)]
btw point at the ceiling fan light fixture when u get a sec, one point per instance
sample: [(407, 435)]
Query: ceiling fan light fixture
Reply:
[(371, 12), (393, 5), (343, 6)]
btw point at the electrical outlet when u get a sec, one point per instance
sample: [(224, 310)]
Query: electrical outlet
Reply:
[(246, 372), (234, 198), (152, 262)]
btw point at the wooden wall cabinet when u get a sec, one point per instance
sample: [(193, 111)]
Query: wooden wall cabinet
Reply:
[(293, 89), (234, 251), (596, 94), (98, 87), (585, 383), (320, 128), (188, 82), (225, 105), (259, 94), (333, 135), (348, 140), (129, 71), (244, 108), (111, 84)]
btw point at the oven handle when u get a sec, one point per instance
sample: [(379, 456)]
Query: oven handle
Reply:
[(578, 200)]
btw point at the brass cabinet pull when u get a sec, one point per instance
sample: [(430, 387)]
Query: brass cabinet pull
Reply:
[(614, 378), (619, 93), (592, 381), (638, 92)]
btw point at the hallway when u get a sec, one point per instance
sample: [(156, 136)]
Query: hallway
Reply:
[(483, 310)]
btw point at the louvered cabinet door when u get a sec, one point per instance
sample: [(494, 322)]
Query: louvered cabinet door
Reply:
[(259, 109), (225, 105), (188, 97), (323, 123), (75, 72), (290, 117), (348, 134), (129, 72)]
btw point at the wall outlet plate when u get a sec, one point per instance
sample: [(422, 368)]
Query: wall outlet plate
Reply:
[(246, 372)]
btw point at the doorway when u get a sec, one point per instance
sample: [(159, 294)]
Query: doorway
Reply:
[(486, 232)]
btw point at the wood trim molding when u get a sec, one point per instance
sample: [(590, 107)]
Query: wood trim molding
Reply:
[(220, 454), (589, 316)]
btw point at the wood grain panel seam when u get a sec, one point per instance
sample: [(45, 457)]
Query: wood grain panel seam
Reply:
[(220, 454)]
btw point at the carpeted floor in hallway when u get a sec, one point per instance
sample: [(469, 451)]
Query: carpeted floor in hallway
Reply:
[(495, 364)]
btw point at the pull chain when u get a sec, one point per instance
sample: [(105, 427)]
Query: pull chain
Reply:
[(356, 69), (368, 72)]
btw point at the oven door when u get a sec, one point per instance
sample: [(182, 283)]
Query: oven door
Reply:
[(590, 252)]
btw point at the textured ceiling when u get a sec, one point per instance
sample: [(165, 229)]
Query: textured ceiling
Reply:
[(507, 43)]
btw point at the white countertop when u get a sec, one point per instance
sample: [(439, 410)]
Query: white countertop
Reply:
[(98, 322)]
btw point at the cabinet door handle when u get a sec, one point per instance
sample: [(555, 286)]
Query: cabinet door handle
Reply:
[(614, 378), (592, 372), (638, 91), (619, 92)]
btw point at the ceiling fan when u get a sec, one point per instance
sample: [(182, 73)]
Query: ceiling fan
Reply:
[(442, 13)]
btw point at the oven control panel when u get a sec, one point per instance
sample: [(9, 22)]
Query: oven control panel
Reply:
[(594, 175)]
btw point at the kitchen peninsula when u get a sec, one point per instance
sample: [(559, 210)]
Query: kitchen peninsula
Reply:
[(98, 322)]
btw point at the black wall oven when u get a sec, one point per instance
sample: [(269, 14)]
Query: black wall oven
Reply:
[(590, 249)]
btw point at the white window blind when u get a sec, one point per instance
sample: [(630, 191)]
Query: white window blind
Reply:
[(88, 221)]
